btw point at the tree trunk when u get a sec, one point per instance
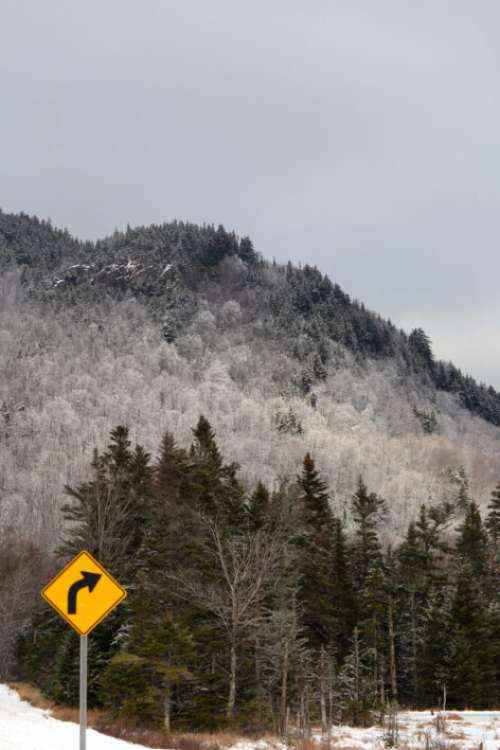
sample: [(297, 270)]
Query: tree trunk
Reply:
[(303, 715), (258, 677), (322, 693), (357, 675), (414, 644), (307, 725), (231, 701), (392, 653), (381, 676), (330, 700), (356, 664), (284, 690), (167, 707)]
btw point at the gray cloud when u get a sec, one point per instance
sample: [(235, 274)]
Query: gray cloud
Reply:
[(358, 136)]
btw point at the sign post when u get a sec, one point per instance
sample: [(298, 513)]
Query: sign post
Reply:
[(83, 691), (83, 593)]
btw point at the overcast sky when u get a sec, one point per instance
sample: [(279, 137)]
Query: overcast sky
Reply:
[(361, 136)]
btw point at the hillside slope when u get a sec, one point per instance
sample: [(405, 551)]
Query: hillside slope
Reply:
[(154, 326)]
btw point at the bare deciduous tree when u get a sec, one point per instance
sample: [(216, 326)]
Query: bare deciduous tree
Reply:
[(248, 568)]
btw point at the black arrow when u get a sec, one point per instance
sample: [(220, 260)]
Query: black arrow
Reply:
[(89, 581)]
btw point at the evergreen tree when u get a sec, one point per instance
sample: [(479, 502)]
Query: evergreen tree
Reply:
[(428, 528), (246, 251), (471, 544), (259, 507), (372, 630), (355, 684), (109, 514), (218, 491), (473, 680), (139, 682), (474, 671), (315, 541), (493, 518), (412, 572), (420, 345), (435, 656), (314, 498), (171, 481), (366, 508), (344, 600)]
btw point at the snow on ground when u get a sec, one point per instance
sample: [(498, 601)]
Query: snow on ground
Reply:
[(464, 730), (23, 727)]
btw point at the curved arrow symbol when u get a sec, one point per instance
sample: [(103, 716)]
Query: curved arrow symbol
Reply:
[(89, 581)]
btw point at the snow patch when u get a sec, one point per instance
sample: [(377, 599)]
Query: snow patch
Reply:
[(23, 727), (167, 268)]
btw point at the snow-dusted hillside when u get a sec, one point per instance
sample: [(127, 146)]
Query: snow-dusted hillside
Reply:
[(67, 382), (154, 326)]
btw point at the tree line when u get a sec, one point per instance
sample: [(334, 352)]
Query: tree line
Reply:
[(263, 609)]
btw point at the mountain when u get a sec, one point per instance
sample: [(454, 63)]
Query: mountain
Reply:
[(156, 325)]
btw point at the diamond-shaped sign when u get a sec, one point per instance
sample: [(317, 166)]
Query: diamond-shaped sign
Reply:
[(84, 593)]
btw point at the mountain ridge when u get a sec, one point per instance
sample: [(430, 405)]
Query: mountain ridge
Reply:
[(169, 265)]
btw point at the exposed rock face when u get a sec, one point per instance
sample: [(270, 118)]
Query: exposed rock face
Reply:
[(132, 274)]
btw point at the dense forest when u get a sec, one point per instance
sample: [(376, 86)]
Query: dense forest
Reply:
[(322, 545), (170, 266), (255, 609)]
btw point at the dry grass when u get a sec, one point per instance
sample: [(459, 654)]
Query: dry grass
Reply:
[(31, 695), (454, 717), (34, 697), (274, 742), (302, 744), (159, 739)]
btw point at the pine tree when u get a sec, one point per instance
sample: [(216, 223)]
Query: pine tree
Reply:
[(421, 346), (435, 655), (110, 513), (246, 251), (170, 473), (204, 448), (471, 544), (344, 600), (139, 682), (372, 629), (493, 518), (175, 530), (314, 498), (315, 541), (259, 507), (355, 686), (216, 485), (366, 508), (412, 571), (428, 529), (474, 674)]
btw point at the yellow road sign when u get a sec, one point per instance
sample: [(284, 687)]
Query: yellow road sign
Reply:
[(84, 593)]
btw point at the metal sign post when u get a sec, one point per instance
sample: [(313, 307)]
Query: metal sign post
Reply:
[(83, 593), (83, 691)]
